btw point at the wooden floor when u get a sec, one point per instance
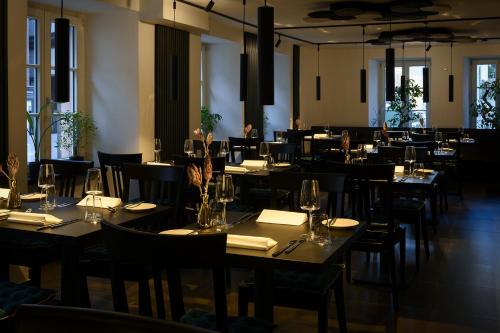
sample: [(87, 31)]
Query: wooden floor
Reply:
[(457, 290)]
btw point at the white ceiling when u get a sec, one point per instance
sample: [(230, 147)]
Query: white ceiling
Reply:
[(289, 13)]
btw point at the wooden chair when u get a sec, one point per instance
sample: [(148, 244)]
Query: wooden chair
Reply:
[(283, 152), (69, 174), (374, 186), (115, 163), (61, 319), (297, 137), (304, 290), (417, 137), (248, 147), (174, 253)]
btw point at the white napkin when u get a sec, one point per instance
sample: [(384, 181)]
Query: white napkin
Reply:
[(180, 232), (254, 164), (399, 169), (4, 193), (158, 163), (33, 218), (234, 169), (106, 201), (281, 217), (250, 242), (320, 136)]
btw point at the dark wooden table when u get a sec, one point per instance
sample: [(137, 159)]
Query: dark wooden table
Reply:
[(307, 257), (72, 238)]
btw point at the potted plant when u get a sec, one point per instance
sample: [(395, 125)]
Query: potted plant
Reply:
[(76, 129), (209, 121), (489, 113), (402, 109)]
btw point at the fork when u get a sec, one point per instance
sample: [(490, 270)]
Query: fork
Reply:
[(133, 204)]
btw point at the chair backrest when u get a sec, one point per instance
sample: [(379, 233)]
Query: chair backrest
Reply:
[(62, 319), (69, 174), (218, 163), (161, 184), (422, 137), (115, 163), (322, 146), (297, 137), (283, 152), (248, 147), (172, 252), (394, 154), (284, 135)]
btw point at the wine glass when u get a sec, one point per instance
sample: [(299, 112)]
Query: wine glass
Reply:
[(93, 187), (377, 137), (224, 148), (405, 136), (47, 183), (327, 130), (254, 133), (189, 147), (224, 193), (157, 150), (410, 159), (309, 200), (264, 150), (279, 136), (438, 138)]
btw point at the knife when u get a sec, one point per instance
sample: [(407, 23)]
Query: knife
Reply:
[(57, 225), (284, 248), (294, 246)]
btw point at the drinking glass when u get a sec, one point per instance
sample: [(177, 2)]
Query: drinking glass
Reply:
[(189, 147), (410, 158), (254, 133), (47, 184), (327, 130), (377, 137), (93, 187), (362, 151), (279, 136), (445, 146), (224, 148), (439, 138), (224, 193), (405, 136), (309, 200), (321, 229), (157, 150), (264, 150), (419, 170)]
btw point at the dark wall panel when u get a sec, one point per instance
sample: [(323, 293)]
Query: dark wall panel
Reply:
[(296, 83), (171, 116), (254, 112), (4, 134)]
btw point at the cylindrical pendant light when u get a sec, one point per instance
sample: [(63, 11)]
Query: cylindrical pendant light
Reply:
[(389, 74), (61, 55), (318, 82), (244, 62), (451, 78), (174, 65), (265, 45), (425, 77), (362, 74), (402, 87)]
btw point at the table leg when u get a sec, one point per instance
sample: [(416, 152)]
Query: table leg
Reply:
[(433, 202), (73, 283), (264, 294)]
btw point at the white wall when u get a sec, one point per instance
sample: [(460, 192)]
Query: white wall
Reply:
[(223, 88), (278, 115)]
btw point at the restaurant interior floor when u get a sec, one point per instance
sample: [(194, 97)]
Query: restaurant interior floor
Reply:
[(457, 290)]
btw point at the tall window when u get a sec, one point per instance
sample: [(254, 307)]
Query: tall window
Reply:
[(40, 62), (483, 71), (412, 71)]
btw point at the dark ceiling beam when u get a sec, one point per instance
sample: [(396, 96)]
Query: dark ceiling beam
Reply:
[(234, 19), (348, 25), (394, 42)]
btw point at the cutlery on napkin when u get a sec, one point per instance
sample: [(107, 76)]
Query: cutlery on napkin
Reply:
[(250, 242), (33, 218), (105, 201)]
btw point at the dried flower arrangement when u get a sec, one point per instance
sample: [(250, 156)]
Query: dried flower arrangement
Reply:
[(12, 167)]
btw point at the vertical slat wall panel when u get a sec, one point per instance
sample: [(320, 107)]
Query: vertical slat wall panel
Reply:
[(4, 133), (171, 116), (296, 83), (254, 113)]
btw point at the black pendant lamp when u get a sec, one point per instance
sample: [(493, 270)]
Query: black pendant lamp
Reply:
[(174, 65), (425, 76), (244, 61), (402, 87), (318, 81), (389, 70), (451, 78), (362, 74), (265, 45), (61, 47)]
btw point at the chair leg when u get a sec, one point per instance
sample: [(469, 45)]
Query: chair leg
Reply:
[(120, 303), (323, 315), (392, 269), (35, 274), (348, 266), (368, 257), (243, 299), (417, 244), (145, 308), (425, 234), (402, 258), (338, 290), (160, 302)]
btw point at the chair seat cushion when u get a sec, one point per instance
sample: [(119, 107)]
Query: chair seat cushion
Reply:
[(12, 295), (203, 319)]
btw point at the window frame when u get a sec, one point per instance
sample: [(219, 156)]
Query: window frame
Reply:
[(473, 85)]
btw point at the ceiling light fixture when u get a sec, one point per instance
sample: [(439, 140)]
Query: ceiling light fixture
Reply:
[(174, 63), (210, 5), (425, 76), (451, 78), (278, 42), (402, 87), (244, 61), (318, 81), (389, 71), (362, 74), (61, 54), (265, 50)]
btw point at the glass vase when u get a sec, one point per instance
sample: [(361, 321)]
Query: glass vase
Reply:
[(14, 199), (204, 213)]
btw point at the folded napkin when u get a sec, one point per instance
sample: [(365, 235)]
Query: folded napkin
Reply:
[(367, 146), (178, 232), (4, 214), (33, 218), (250, 242), (4, 193), (399, 169), (321, 136), (281, 217), (235, 169), (254, 164), (105, 201), (158, 163)]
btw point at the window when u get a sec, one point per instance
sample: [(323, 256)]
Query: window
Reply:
[(482, 71), (203, 75), (40, 62), (412, 71)]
